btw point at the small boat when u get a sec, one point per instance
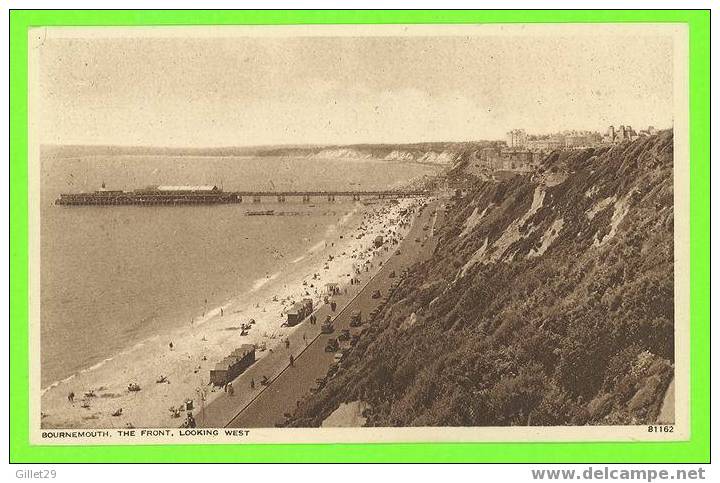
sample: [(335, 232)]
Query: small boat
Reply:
[(260, 213)]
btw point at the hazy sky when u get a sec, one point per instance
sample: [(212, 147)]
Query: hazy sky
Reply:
[(341, 90)]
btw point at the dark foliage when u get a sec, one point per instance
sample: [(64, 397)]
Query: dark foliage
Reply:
[(575, 331)]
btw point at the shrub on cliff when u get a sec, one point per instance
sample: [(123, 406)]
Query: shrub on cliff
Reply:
[(556, 307)]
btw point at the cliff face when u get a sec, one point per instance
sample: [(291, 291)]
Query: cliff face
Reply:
[(430, 153), (445, 157), (549, 301)]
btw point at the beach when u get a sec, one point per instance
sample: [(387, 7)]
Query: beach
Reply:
[(103, 390)]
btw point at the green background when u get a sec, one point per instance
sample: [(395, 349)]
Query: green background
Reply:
[(695, 450)]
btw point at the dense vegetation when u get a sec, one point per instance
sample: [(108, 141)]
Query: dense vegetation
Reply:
[(545, 304)]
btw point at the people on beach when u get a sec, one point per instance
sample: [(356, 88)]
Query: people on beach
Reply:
[(268, 321), (230, 389)]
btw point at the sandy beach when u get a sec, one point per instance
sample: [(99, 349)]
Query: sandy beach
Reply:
[(102, 390)]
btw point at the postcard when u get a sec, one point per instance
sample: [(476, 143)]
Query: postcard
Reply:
[(359, 233)]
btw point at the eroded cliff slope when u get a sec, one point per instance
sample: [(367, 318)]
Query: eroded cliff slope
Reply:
[(546, 303)]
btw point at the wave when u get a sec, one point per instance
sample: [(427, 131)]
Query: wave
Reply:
[(207, 316), (95, 366), (57, 383), (259, 283), (318, 246)]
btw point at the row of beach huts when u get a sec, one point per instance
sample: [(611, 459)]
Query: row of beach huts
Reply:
[(243, 357), (298, 312), (233, 365)]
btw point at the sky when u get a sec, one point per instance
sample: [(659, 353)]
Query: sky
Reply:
[(238, 91)]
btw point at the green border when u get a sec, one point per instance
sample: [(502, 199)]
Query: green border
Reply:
[(696, 450)]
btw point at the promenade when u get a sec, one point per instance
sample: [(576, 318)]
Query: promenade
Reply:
[(267, 405)]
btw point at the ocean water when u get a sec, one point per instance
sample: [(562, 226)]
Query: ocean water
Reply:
[(114, 276)]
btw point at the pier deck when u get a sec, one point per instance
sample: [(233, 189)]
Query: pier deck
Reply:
[(144, 198)]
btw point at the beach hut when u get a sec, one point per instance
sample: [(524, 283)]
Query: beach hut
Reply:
[(244, 357), (295, 315), (219, 374), (233, 368)]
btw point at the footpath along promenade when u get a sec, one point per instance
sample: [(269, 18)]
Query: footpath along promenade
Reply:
[(266, 405)]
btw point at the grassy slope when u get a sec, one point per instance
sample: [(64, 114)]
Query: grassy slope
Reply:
[(582, 334)]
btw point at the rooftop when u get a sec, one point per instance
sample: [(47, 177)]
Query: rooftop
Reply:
[(188, 188)]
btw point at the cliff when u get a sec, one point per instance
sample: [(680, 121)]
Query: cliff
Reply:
[(430, 153), (445, 157), (548, 301)]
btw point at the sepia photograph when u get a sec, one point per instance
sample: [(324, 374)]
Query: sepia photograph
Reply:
[(359, 233)]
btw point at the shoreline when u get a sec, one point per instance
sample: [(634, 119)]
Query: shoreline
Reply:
[(211, 313), (198, 347), (200, 313), (271, 405)]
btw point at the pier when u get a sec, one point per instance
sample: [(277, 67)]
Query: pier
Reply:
[(214, 196)]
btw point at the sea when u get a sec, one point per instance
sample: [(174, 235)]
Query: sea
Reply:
[(113, 276)]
